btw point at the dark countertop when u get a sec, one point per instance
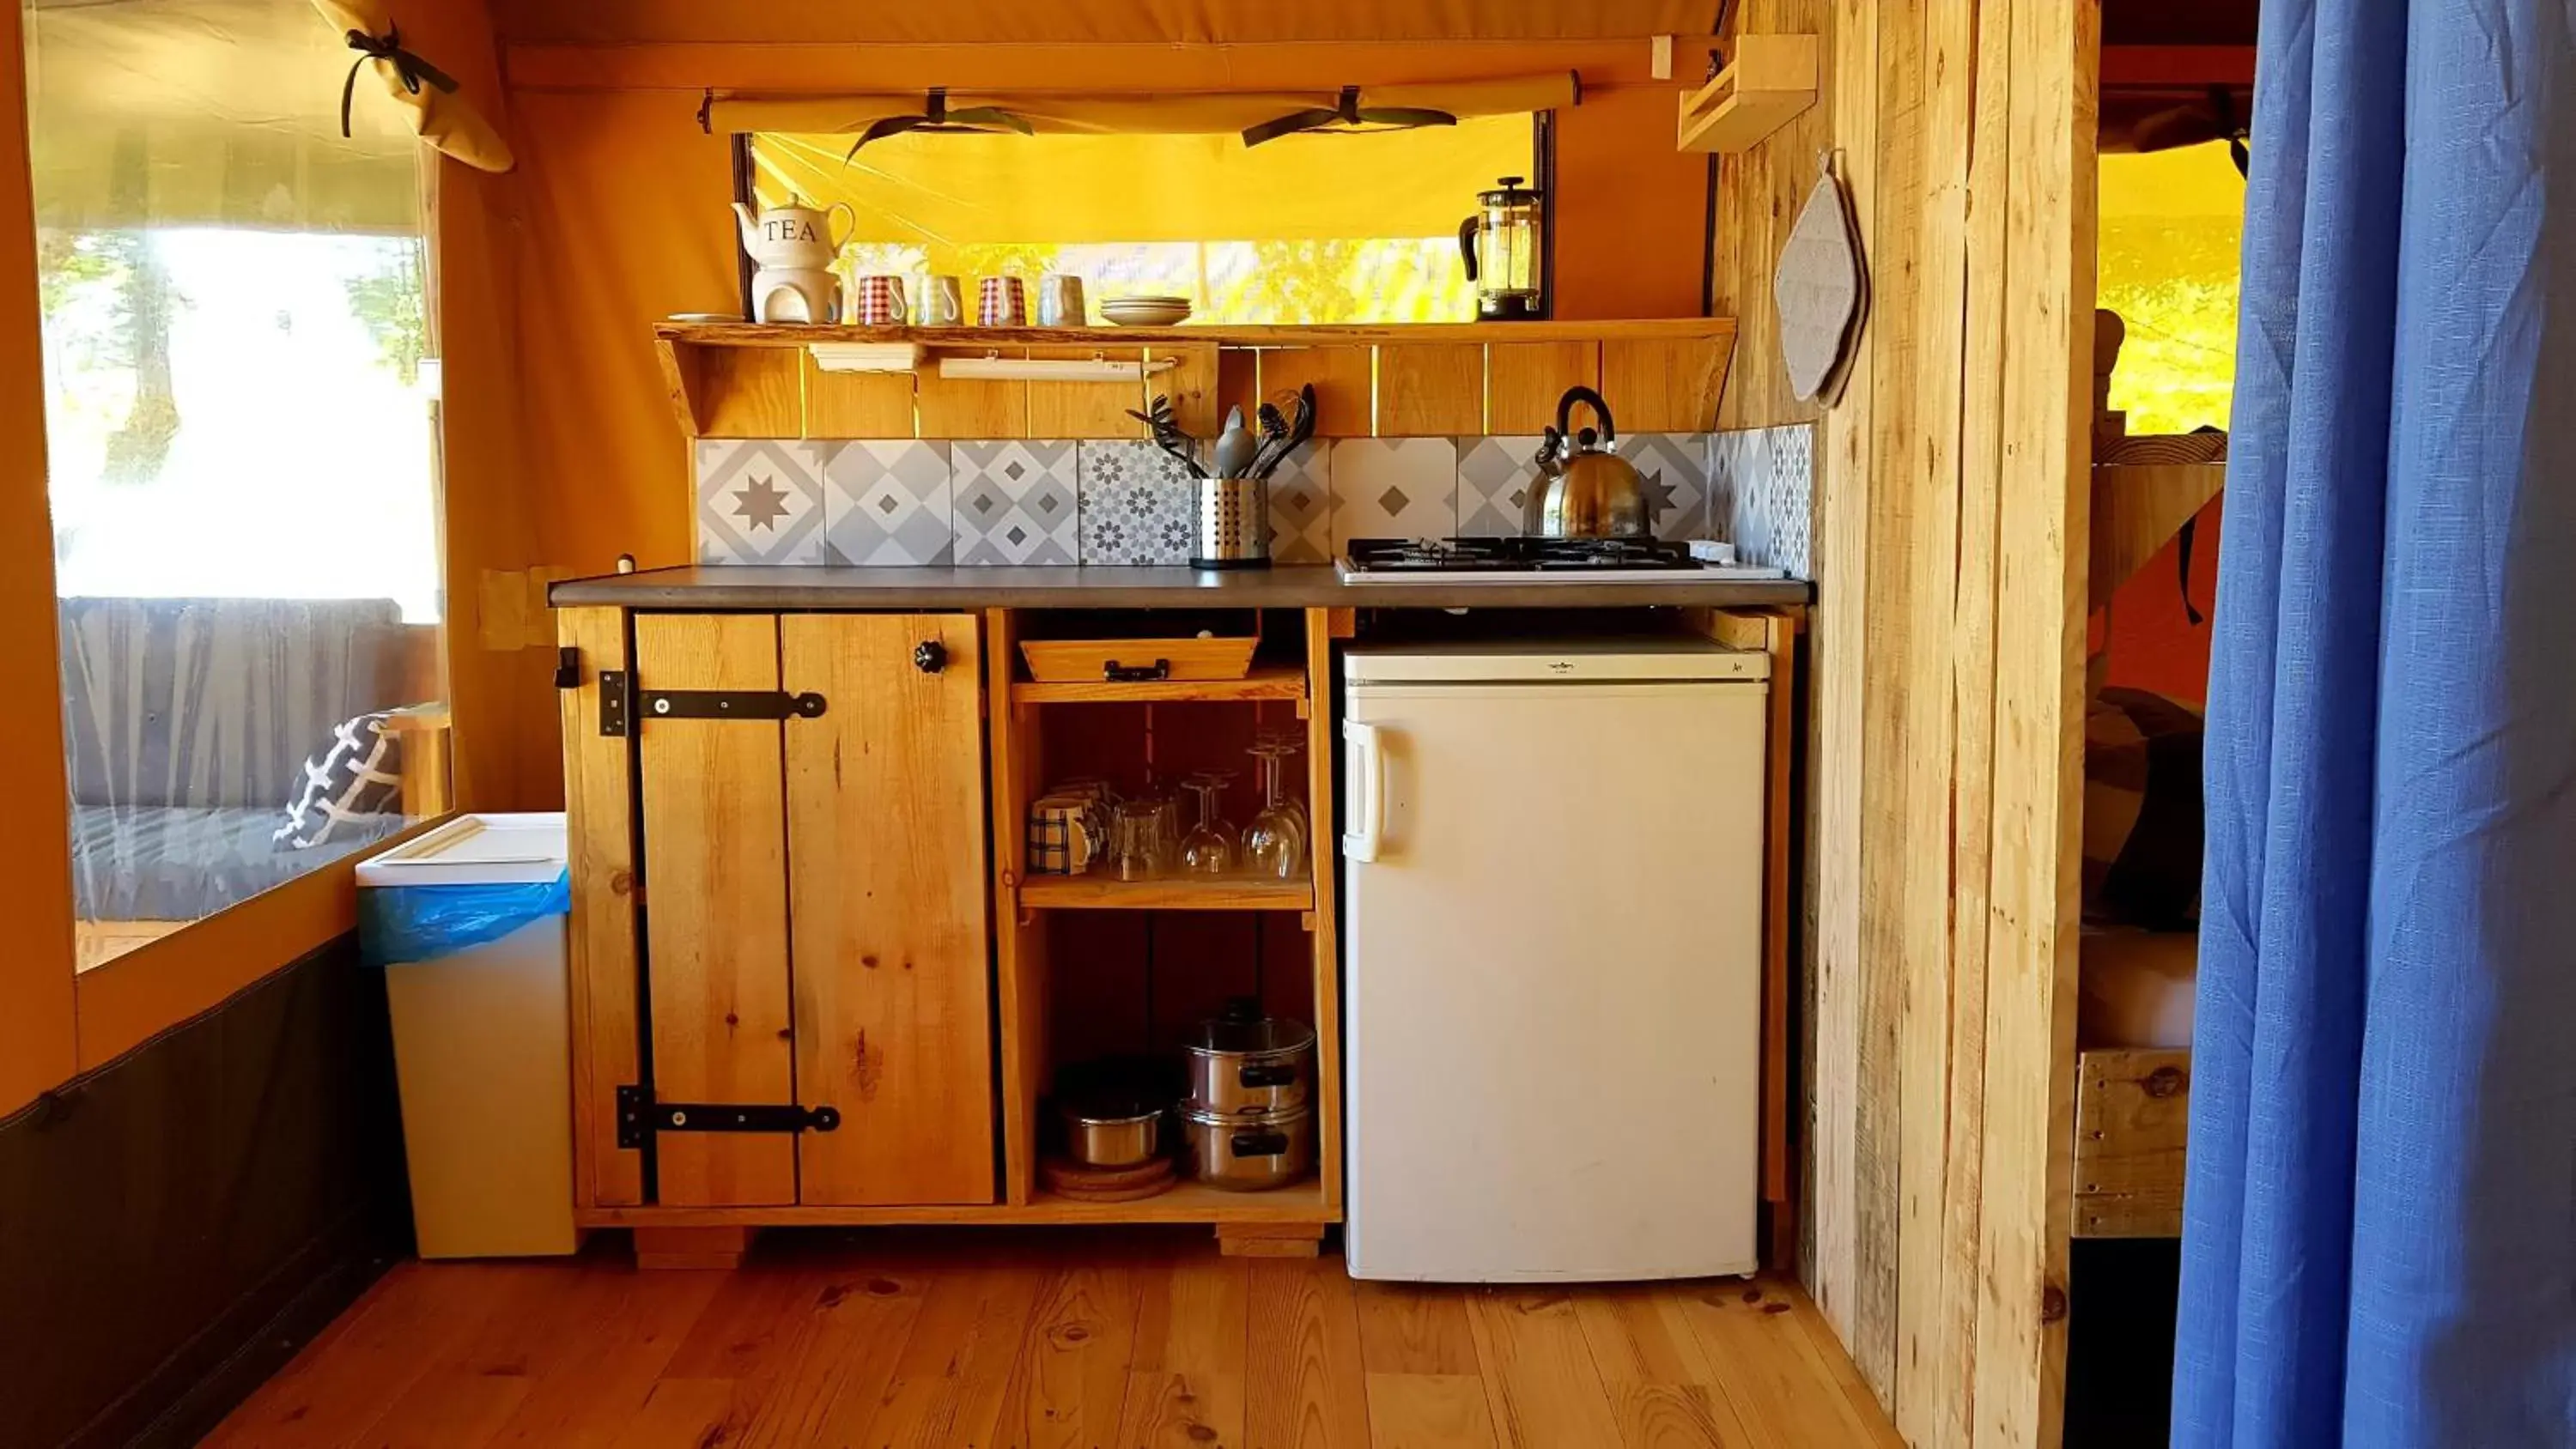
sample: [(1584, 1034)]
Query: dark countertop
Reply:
[(1292, 586)]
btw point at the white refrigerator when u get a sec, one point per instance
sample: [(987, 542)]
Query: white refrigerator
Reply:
[(1553, 933)]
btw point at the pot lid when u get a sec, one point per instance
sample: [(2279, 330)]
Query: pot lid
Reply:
[(1234, 1035)]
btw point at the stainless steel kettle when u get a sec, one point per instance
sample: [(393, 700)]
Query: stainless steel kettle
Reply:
[(1584, 489)]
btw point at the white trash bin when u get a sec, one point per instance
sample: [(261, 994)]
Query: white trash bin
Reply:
[(482, 1030)]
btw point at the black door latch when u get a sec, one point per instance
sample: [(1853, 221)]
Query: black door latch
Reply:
[(639, 1117)]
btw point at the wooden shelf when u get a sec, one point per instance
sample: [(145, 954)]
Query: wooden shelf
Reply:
[(1178, 893), (976, 339), (1196, 1202), (1280, 682), (1769, 80), (1190, 1202)]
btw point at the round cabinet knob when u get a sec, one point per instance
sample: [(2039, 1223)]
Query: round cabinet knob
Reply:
[(930, 657)]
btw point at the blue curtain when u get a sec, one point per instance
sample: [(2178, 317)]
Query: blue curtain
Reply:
[(2379, 1241)]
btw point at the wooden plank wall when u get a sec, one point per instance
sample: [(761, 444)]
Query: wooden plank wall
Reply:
[(1945, 730)]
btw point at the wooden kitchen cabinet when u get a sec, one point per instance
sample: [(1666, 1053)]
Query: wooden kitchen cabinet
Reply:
[(814, 930)]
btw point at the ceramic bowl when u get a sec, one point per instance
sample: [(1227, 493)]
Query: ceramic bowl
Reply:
[(1145, 311)]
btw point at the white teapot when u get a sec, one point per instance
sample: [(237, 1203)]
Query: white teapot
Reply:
[(794, 236)]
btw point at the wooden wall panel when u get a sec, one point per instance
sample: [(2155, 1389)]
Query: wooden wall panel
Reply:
[(1952, 526), (1430, 389), (751, 392), (1201, 389), (715, 844), (1525, 380), (600, 831), (1657, 386), (856, 404), (1086, 409), (971, 408), (1345, 385)]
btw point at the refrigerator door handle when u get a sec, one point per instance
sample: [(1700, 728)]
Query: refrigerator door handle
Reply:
[(1368, 805)]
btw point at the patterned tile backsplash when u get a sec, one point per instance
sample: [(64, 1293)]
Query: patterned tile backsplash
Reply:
[(1137, 507), (1017, 502), (887, 503), (1120, 502), (760, 502)]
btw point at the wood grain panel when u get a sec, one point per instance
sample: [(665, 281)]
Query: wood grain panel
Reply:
[(1020, 947), (2132, 1122), (599, 824), (751, 392), (1665, 387), (856, 404), (1087, 409), (1325, 933), (1199, 387), (885, 833), (1238, 382), (1430, 390), (1525, 380), (945, 407), (1345, 381), (715, 861)]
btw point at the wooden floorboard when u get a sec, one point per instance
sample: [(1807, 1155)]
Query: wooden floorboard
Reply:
[(1052, 1339)]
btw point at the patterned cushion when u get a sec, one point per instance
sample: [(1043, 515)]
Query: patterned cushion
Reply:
[(2142, 811), (354, 781)]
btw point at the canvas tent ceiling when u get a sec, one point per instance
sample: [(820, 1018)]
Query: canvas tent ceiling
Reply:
[(1206, 22)]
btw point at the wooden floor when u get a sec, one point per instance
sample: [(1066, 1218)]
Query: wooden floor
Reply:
[(994, 1338)]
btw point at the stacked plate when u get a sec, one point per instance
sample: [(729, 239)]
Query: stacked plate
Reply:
[(1146, 311)]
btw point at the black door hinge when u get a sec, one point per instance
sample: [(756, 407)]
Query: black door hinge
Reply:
[(758, 704), (612, 703), (639, 1117)]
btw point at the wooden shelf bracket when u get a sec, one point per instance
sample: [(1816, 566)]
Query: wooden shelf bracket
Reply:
[(1767, 83)]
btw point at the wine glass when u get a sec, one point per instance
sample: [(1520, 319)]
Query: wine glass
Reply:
[(1210, 847), (1274, 843), (1289, 741)]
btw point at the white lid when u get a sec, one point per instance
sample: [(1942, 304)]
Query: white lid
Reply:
[(475, 850), (1576, 660)]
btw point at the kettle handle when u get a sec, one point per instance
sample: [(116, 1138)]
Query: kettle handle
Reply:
[(1467, 243), (1600, 409)]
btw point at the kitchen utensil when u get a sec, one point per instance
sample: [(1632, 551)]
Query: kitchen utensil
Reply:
[(1298, 425), (1136, 849), (1001, 302), (1231, 529), (1072, 1180), (1243, 1062), (1146, 311), (1235, 446), (1274, 842), (1250, 1153), (1166, 429), (1502, 247), (1060, 301), (1138, 661), (793, 236), (1111, 1128), (943, 302), (1065, 835), (1212, 847), (1583, 488), (795, 294), (881, 302)]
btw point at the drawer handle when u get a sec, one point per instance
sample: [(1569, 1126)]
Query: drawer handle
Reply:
[(1117, 673)]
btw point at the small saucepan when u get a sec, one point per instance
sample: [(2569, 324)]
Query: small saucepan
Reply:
[(1112, 1128)]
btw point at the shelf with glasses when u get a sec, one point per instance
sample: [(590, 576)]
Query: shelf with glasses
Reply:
[(1282, 682), (1167, 893)]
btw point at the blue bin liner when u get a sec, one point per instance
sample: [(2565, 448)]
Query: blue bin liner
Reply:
[(423, 923)]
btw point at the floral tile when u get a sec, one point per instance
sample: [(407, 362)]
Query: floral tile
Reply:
[(1494, 477), (1675, 468), (1762, 495), (1301, 505), (760, 501), (1136, 503), (887, 503), (1017, 502), (1394, 488)]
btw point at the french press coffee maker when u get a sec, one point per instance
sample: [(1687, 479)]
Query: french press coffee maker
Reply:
[(1501, 245)]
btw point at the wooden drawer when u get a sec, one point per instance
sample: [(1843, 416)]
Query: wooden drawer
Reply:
[(2132, 1114)]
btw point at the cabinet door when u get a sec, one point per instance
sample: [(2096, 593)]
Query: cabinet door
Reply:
[(885, 843), (715, 915)]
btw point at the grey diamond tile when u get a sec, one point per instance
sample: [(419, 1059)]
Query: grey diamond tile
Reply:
[(1016, 502), (1494, 476), (1394, 488), (1136, 505), (1674, 468), (887, 504), (1301, 506), (760, 500)]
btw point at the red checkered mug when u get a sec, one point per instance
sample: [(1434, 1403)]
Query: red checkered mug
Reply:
[(1001, 302), (881, 302)]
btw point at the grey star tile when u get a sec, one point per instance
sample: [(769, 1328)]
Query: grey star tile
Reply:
[(1674, 468), (760, 500)]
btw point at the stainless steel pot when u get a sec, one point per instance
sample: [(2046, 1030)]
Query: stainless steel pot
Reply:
[(1241, 1063), (1250, 1152), (1112, 1129)]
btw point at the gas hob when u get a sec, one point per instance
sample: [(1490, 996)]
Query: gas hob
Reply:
[(1531, 560)]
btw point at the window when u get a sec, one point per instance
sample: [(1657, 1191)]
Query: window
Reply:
[(1304, 229), (239, 420), (2171, 227)]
